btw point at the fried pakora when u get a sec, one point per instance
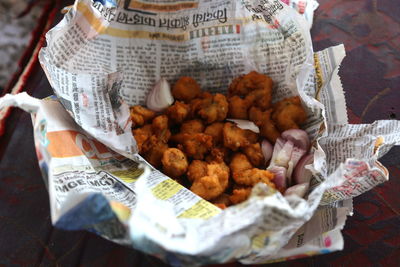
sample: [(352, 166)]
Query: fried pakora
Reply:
[(260, 98), (174, 162), (240, 194), (238, 107), (263, 120), (204, 143), (192, 126), (178, 112), (185, 89), (214, 183), (239, 163), (153, 150), (243, 172), (222, 201), (215, 130), (213, 109), (289, 114), (141, 115), (142, 134), (160, 128), (255, 85), (235, 138), (197, 169), (195, 145), (218, 154), (254, 154)]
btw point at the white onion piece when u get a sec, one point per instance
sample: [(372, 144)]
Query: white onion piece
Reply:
[(297, 153), (279, 143), (245, 125), (298, 190), (279, 176), (160, 97), (298, 137), (284, 155), (300, 173), (266, 149)]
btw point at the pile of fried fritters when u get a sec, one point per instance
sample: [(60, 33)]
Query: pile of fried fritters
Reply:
[(193, 143)]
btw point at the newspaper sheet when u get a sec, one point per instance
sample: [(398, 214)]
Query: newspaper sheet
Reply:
[(102, 58)]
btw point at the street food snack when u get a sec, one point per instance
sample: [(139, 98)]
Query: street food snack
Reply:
[(220, 160)]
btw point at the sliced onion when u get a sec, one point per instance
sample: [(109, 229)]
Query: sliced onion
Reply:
[(298, 137), (245, 125), (298, 190), (267, 150), (279, 177), (279, 143), (284, 155), (160, 97), (300, 173), (297, 153)]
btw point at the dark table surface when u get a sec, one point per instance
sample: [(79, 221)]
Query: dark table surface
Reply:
[(370, 73)]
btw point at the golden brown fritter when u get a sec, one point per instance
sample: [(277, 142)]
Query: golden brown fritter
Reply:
[(174, 162), (253, 176), (239, 163), (218, 154), (260, 98), (255, 85), (289, 114), (185, 89), (222, 201), (160, 128), (141, 115), (239, 195), (197, 169), (214, 183), (194, 145), (243, 172), (192, 126), (153, 150), (263, 120), (235, 138), (142, 134), (254, 154), (178, 112), (238, 107), (215, 130), (213, 109)]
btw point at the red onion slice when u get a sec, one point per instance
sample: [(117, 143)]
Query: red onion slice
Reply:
[(284, 155), (298, 137), (266, 149), (300, 173), (279, 177), (298, 190), (297, 153)]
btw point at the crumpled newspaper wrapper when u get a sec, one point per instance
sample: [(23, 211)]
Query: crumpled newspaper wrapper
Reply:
[(103, 57)]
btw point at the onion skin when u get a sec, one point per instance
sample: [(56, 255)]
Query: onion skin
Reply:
[(283, 155), (160, 96), (297, 154), (300, 173), (245, 125), (299, 190), (267, 150), (298, 137)]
